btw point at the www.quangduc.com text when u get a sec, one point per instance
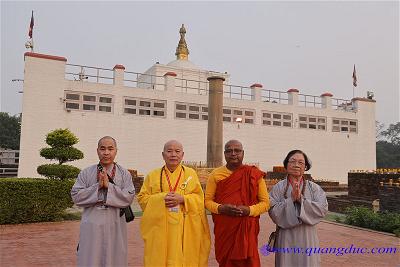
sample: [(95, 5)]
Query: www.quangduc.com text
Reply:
[(338, 251)]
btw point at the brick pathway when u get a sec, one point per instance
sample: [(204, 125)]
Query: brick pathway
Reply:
[(54, 244)]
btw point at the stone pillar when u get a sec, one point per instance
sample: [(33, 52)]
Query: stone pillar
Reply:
[(257, 87), (326, 99), (170, 81), (293, 97), (214, 133), (119, 75)]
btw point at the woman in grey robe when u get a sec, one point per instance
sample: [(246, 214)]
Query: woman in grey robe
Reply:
[(297, 205)]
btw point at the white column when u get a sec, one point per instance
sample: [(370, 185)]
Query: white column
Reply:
[(119, 75), (293, 97), (257, 87), (326, 99), (170, 81)]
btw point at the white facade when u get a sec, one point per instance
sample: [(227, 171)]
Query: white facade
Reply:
[(343, 138)]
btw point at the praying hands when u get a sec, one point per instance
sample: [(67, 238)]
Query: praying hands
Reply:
[(103, 179), (296, 193), (172, 200)]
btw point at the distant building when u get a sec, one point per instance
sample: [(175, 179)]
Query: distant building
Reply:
[(9, 160), (8, 156), (144, 110)]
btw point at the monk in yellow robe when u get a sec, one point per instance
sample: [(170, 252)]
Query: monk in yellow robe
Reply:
[(174, 226)]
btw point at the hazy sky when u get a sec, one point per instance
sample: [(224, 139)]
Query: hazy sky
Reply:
[(311, 46)]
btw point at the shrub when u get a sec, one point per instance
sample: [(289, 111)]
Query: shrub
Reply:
[(24, 200), (63, 154), (364, 217), (61, 148), (61, 138), (54, 171)]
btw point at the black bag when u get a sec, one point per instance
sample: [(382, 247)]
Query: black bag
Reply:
[(129, 216), (272, 240)]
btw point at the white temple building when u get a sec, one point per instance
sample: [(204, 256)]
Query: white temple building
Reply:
[(144, 110)]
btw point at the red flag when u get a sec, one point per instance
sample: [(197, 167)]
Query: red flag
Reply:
[(354, 76), (31, 27)]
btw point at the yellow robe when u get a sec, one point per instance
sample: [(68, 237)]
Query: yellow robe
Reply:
[(174, 238)]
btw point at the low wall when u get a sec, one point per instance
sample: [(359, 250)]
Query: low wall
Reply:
[(341, 203), (366, 185), (389, 198)]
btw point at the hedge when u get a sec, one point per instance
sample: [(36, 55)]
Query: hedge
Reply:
[(382, 221), (24, 200)]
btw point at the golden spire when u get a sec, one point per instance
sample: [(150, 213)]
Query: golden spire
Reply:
[(182, 52)]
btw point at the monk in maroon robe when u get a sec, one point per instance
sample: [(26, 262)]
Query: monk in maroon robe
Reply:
[(236, 195)]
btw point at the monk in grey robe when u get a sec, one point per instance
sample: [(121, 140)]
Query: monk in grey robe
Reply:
[(297, 205), (102, 190)]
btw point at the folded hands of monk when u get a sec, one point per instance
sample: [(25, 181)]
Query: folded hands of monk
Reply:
[(173, 199), (232, 210)]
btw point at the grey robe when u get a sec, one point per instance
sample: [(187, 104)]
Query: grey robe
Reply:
[(103, 235), (297, 224)]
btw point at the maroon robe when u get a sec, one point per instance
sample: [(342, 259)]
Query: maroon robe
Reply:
[(236, 238)]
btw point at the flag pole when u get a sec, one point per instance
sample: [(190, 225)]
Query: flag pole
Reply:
[(32, 32), (29, 43), (354, 78)]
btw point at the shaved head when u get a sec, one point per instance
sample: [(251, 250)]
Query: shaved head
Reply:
[(233, 142), (172, 154), (234, 154), (172, 143), (107, 150), (104, 138)]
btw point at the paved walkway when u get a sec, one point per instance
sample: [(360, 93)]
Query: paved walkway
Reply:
[(54, 244)]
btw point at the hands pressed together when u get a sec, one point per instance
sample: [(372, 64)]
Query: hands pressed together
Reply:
[(232, 210), (296, 193), (173, 199), (103, 179)]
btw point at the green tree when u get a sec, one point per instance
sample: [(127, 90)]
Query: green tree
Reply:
[(379, 129), (388, 148), (392, 133), (61, 148), (10, 131)]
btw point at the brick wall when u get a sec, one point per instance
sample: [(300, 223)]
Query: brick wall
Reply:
[(341, 203), (366, 185), (389, 198)]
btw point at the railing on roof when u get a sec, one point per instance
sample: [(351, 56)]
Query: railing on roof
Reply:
[(191, 86), (310, 101), (342, 104), (273, 96), (91, 74), (144, 81), (238, 92), (148, 81)]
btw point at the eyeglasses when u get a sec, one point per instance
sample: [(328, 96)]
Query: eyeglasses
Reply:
[(294, 162), (231, 151)]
